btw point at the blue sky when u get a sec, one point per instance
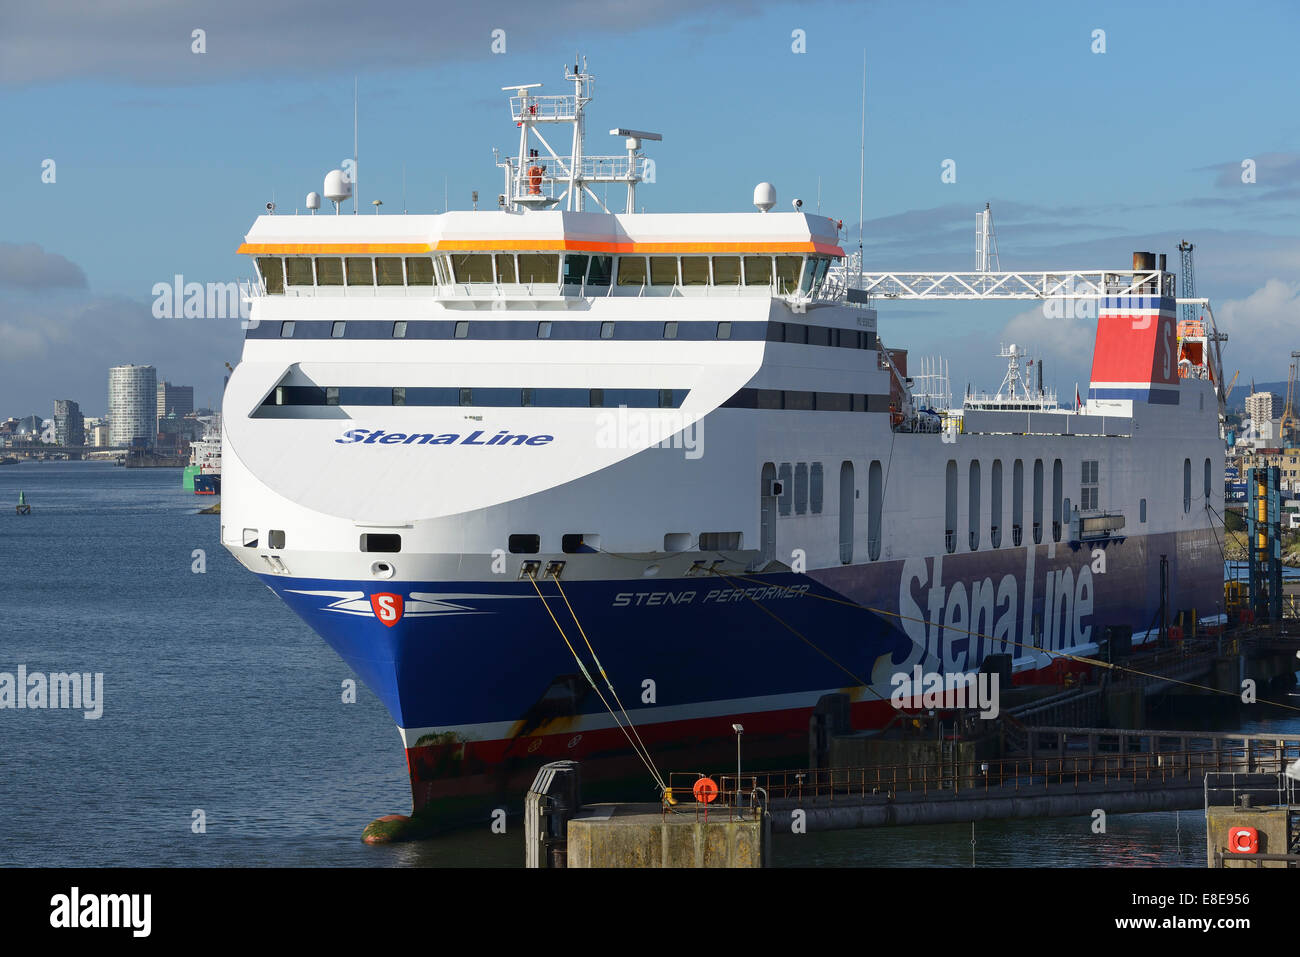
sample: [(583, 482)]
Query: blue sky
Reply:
[(164, 157)]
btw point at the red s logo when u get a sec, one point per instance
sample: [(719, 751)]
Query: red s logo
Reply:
[(387, 607)]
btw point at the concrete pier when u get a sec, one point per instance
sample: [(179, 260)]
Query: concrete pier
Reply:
[(643, 835)]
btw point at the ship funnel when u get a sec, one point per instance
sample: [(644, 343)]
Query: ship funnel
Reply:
[(764, 196)]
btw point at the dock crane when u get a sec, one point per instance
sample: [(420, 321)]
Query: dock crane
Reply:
[(1287, 427)]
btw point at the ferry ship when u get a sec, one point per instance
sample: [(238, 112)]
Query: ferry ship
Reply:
[(473, 449)]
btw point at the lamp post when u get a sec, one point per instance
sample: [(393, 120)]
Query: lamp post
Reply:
[(739, 729)]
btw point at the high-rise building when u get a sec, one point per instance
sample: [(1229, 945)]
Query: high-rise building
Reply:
[(175, 398), (69, 424), (133, 405), (1259, 406)]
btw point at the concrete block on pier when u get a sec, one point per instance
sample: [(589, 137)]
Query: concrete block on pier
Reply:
[(641, 835)]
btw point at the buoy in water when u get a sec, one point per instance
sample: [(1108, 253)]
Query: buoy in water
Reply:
[(22, 507)]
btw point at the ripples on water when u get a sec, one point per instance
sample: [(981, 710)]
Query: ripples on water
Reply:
[(217, 697)]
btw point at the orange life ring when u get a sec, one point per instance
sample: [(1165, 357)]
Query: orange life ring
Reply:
[(705, 790)]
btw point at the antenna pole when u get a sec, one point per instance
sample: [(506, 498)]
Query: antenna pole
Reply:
[(355, 173), (862, 160)]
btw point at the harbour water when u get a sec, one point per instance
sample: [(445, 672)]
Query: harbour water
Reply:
[(216, 699)]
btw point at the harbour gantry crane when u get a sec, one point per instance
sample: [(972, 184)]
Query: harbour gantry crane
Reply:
[(1190, 310), (1287, 427)]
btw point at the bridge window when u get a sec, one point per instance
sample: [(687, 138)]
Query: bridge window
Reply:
[(505, 263), (787, 273), (329, 271), (695, 270), (602, 267), (631, 271), (419, 271), (298, 271), (663, 270), (388, 270), (361, 271), (726, 270), (575, 270), (758, 270), (272, 270), (468, 267)]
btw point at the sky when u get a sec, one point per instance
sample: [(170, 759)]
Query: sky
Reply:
[(161, 157)]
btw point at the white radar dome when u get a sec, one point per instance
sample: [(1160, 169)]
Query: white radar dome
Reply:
[(313, 200), (337, 187), (764, 196)]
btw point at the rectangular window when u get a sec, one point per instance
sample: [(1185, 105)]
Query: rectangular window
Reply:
[(596, 398), (726, 270), (815, 490), (631, 271), (795, 399), (371, 542), (834, 402), (462, 329), (329, 271), (286, 330), (399, 395), (298, 271), (575, 270), (388, 271), (758, 270), (607, 330), (724, 330), (331, 395), (670, 330), (819, 336), (769, 398), (544, 330), (663, 270), (275, 538), (695, 270), (1088, 492), (800, 488), (466, 396), (470, 267), (399, 329), (602, 267), (787, 273), (272, 270), (796, 332), (505, 267), (539, 267), (419, 270), (786, 477), (361, 271), (719, 541), (337, 329)]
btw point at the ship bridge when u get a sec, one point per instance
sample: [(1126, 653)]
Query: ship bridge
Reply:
[(496, 254)]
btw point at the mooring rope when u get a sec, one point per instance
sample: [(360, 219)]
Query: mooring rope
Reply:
[(645, 758)]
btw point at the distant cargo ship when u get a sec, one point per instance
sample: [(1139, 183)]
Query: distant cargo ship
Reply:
[(681, 435)]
